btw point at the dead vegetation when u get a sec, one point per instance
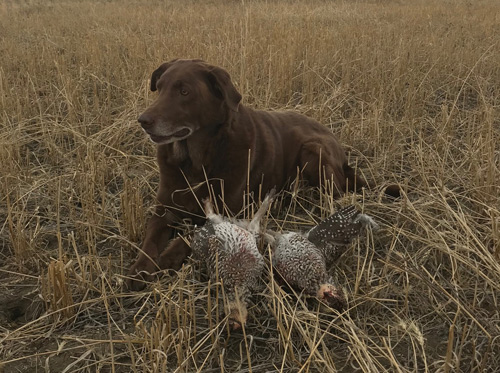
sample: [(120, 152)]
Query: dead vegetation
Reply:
[(412, 89)]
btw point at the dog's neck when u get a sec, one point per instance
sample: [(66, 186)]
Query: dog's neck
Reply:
[(179, 152), (197, 150)]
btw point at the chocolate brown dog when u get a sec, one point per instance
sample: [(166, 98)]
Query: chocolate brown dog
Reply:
[(207, 139)]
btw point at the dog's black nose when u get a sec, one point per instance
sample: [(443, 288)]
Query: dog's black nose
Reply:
[(145, 120)]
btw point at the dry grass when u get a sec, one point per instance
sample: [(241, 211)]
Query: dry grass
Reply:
[(411, 88)]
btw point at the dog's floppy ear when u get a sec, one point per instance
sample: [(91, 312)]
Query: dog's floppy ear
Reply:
[(222, 87), (159, 72)]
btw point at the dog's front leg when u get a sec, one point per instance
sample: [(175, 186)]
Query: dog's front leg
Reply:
[(158, 232)]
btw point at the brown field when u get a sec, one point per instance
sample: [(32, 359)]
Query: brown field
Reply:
[(412, 88)]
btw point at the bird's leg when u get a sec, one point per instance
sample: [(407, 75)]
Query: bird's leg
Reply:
[(270, 237), (254, 225), (209, 212)]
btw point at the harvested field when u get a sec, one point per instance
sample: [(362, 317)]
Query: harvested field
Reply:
[(411, 88)]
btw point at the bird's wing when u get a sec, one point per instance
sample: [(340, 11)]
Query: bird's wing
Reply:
[(338, 229), (200, 242)]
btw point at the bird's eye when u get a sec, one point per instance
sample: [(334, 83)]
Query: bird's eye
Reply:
[(184, 92)]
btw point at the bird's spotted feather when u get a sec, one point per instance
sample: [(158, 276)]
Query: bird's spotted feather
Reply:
[(333, 234), (340, 228)]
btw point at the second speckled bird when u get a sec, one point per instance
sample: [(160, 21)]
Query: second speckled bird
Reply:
[(302, 259)]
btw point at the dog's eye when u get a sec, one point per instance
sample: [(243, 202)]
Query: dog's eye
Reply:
[(184, 92)]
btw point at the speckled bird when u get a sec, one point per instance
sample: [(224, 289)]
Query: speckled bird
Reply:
[(301, 259), (229, 249), (302, 266)]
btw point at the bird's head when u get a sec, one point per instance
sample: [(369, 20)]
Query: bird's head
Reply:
[(332, 296), (237, 313)]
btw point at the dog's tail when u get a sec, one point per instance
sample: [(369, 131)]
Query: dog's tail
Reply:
[(357, 182)]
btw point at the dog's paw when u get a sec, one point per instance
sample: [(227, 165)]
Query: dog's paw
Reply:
[(175, 254), (140, 274)]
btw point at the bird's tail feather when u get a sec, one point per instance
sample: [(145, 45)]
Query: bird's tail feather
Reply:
[(367, 221)]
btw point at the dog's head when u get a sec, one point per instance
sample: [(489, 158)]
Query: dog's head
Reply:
[(191, 95)]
